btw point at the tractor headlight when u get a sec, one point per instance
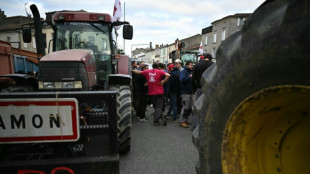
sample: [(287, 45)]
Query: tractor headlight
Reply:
[(48, 85), (72, 84), (60, 85), (67, 84), (78, 84)]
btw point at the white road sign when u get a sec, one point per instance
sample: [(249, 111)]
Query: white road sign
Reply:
[(39, 120)]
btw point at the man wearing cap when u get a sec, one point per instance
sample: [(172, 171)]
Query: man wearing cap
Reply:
[(178, 61), (174, 89)]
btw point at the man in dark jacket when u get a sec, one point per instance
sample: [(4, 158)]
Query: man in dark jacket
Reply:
[(142, 94), (174, 89), (186, 91), (198, 70)]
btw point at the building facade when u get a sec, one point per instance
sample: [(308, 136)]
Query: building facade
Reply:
[(162, 53), (192, 42), (11, 31), (214, 35), (206, 39)]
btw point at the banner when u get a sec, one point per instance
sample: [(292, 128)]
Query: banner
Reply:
[(200, 51)]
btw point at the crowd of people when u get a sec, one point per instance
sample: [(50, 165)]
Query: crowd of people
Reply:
[(173, 85)]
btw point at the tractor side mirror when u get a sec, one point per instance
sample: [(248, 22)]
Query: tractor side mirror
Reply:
[(127, 32), (27, 35), (182, 44)]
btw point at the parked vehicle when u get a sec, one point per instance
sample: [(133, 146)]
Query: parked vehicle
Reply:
[(79, 119), (185, 55), (18, 69)]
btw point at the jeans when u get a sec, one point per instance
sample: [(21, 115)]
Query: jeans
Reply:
[(173, 105), (187, 101), (142, 98), (157, 101)]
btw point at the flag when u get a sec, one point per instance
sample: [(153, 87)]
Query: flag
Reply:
[(117, 13), (200, 51)]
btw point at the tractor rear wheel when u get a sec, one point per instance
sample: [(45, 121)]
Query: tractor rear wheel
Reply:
[(123, 96), (254, 111)]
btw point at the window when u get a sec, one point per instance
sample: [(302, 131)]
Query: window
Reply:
[(91, 39), (206, 40), (104, 44), (223, 34), (34, 42), (240, 21), (214, 37), (77, 40), (213, 52)]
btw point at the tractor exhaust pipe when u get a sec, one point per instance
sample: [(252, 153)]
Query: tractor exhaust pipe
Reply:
[(38, 30)]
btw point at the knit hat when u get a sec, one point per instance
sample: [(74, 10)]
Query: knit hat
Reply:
[(208, 55)]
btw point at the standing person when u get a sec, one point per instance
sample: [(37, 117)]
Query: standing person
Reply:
[(174, 89), (155, 88), (198, 71), (142, 94), (137, 89), (162, 67), (179, 99), (134, 93), (186, 91), (140, 66)]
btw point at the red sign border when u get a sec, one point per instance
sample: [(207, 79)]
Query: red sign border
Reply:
[(59, 102)]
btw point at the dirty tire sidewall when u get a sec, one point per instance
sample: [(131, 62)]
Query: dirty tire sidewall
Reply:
[(248, 62), (124, 122)]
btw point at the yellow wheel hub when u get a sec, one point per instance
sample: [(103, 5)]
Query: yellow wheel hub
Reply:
[(269, 133)]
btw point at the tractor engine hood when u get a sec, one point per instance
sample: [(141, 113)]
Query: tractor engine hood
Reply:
[(75, 55), (68, 66)]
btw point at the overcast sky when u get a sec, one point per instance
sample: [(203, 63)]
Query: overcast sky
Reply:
[(156, 21)]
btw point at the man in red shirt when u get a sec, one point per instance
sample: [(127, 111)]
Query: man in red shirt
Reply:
[(155, 82)]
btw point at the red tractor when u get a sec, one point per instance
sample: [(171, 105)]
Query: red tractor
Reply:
[(81, 112)]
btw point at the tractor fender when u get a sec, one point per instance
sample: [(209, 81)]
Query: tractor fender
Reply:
[(120, 79)]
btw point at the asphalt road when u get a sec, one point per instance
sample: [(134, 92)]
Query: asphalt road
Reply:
[(159, 150)]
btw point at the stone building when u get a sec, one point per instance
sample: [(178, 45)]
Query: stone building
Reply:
[(206, 39), (11, 31), (192, 42), (213, 36)]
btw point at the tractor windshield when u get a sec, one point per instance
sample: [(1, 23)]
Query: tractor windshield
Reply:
[(189, 57), (86, 35)]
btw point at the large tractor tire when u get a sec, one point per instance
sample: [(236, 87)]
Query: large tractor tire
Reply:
[(255, 107), (123, 102)]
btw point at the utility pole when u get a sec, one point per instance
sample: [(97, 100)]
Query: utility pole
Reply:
[(124, 20)]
